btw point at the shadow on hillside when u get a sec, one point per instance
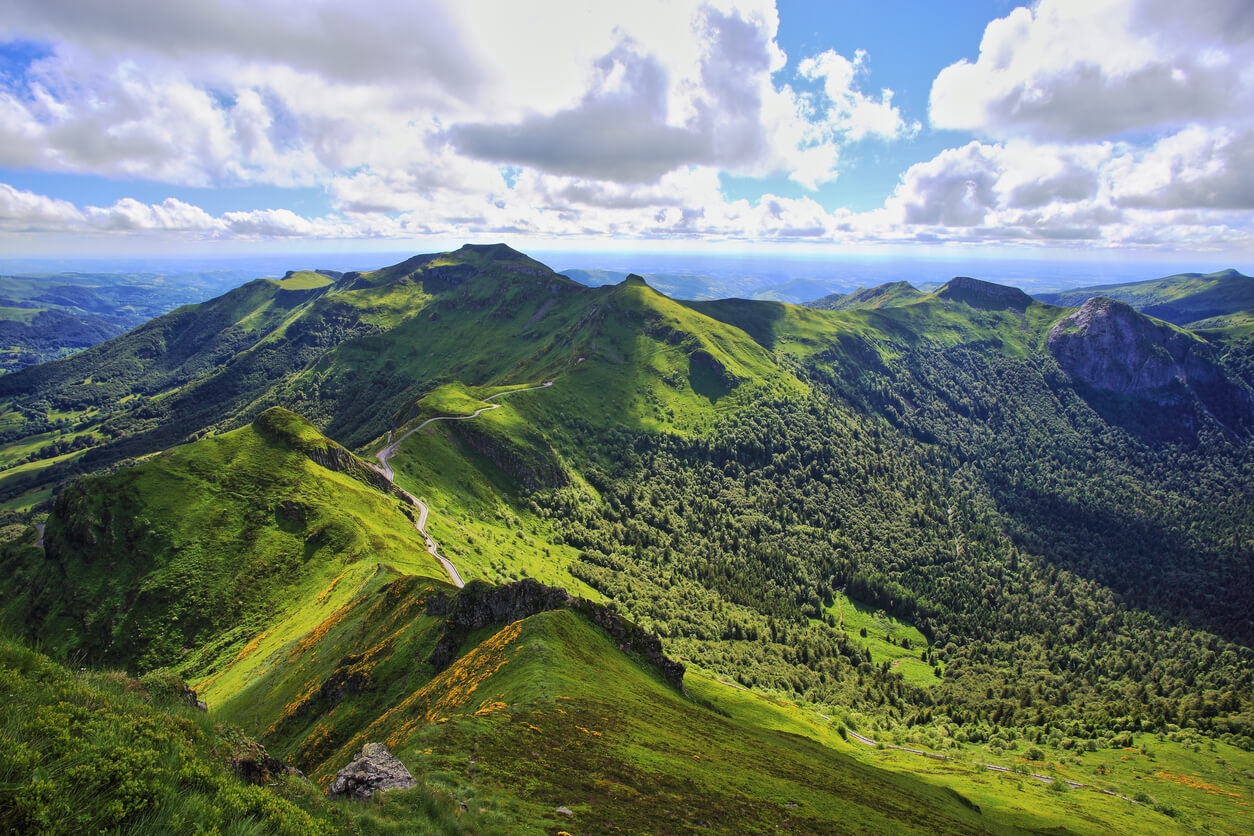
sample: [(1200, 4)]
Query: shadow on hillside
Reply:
[(1139, 557)]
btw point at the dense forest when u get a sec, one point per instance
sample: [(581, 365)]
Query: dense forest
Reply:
[(1039, 617)]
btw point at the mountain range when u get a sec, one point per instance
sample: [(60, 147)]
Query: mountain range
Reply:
[(898, 561)]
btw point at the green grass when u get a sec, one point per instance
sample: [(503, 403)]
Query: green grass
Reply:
[(207, 544), (303, 280), (98, 752), (1184, 299), (884, 635)]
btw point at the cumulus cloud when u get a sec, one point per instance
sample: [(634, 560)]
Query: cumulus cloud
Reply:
[(1091, 69), (849, 111), (618, 131), (23, 211), (1094, 120), (1197, 168), (227, 92)]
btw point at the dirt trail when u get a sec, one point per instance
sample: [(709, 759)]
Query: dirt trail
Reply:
[(421, 523)]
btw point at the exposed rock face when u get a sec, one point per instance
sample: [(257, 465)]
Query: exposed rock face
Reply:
[(1109, 345), (478, 605), (375, 769), (984, 295)]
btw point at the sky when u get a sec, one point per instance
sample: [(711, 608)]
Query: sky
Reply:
[(1061, 129)]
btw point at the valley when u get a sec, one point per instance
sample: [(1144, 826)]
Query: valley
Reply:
[(955, 561)]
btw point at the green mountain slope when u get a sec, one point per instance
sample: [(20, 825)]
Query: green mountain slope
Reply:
[(199, 545), (930, 521), (44, 317)]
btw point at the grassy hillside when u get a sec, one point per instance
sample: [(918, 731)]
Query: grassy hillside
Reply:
[(892, 293), (45, 317), (194, 548)]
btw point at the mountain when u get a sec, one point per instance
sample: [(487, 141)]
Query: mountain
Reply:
[(1184, 299), (981, 294), (710, 549), (879, 296)]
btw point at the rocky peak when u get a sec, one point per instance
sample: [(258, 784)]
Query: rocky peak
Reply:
[(983, 295), (1109, 345)]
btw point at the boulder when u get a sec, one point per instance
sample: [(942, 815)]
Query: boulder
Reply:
[(375, 769)]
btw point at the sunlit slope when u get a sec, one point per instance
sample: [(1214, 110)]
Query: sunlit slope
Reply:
[(549, 711), (205, 544)]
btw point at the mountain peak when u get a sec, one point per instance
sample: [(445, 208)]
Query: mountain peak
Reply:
[(981, 294), (633, 280), (495, 252)]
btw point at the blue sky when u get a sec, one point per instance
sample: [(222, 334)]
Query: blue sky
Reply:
[(1061, 128)]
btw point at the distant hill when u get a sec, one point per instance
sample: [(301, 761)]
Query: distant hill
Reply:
[(702, 287), (48, 316), (891, 293), (1183, 299)]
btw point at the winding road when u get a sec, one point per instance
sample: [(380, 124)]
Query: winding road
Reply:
[(421, 523)]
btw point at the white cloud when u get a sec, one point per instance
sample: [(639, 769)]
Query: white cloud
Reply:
[(1091, 69), (1197, 168), (170, 215), (850, 112), (1097, 120), (435, 95), (23, 211)]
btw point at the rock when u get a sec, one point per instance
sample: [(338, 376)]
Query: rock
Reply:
[(375, 769), (565, 811), (1109, 345)]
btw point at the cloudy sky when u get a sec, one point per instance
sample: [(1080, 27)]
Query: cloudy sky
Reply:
[(223, 125)]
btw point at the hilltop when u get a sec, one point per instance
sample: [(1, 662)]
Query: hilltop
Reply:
[(879, 296)]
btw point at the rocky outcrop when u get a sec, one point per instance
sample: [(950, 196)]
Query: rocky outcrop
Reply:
[(373, 770), (479, 605), (631, 639), (984, 295), (1109, 345)]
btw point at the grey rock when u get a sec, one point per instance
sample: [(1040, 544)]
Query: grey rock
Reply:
[(565, 811), (375, 769), (1109, 345)]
